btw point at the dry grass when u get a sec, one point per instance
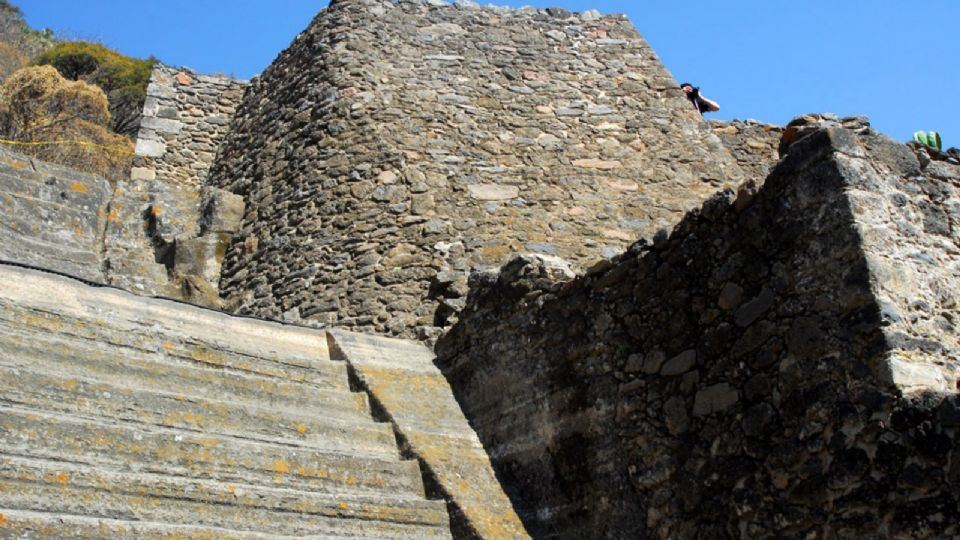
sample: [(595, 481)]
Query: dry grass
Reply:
[(66, 122)]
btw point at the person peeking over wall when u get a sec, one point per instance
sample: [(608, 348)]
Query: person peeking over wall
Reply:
[(702, 104)]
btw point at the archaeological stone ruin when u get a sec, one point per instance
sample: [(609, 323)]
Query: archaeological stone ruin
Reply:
[(463, 272)]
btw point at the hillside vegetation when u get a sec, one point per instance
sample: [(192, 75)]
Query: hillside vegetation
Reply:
[(71, 102), (19, 44), (63, 121), (122, 78)]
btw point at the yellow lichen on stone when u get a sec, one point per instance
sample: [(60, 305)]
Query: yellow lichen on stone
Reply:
[(301, 428), (3, 520), (77, 187), (62, 478), (281, 467)]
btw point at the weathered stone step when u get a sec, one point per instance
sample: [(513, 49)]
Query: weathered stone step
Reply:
[(96, 399), (44, 526), (157, 369), (126, 447), (199, 346), (40, 486), (73, 304), (160, 371)]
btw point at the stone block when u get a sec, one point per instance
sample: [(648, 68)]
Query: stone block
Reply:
[(162, 125), (143, 173), (493, 192), (150, 148), (713, 399), (222, 211)]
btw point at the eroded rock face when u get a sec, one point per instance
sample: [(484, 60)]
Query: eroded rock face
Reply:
[(395, 144), (778, 366), (52, 217)]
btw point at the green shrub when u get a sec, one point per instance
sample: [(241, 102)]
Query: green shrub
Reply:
[(122, 78)]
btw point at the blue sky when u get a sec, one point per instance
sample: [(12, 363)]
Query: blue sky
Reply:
[(771, 60)]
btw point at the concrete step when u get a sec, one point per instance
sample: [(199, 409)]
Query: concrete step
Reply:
[(200, 346), (40, 390), (51, 487), (44, 526), (130, 447), (78, 357)]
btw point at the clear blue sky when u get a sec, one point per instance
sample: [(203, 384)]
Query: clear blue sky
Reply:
[(892, 60)]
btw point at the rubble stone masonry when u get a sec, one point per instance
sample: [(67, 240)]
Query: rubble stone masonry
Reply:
[(185, 117), (783, 365), (396, 146)]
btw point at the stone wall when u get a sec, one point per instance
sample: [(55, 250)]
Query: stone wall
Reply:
[(396, 146), (185, 117), (753, 144), (783, 365)]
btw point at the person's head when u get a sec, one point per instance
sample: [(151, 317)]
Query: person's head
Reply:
[(687, 88)]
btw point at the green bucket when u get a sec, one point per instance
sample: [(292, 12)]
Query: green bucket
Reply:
[(931, 139)]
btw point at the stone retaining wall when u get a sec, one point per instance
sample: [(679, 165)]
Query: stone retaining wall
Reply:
[(783, 365), (185, 117), (394, 147)]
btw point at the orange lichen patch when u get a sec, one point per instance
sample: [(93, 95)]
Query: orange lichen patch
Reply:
[(77, 230), (62, 478), (343, 505), (168, 346), (70, 385), (155, 211), (114, 215), (231, 489), (281, 467), (3, 520), (301, 428), (209, 357), (77, 187), (14, 163)]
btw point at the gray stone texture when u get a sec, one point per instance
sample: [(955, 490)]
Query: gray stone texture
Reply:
[(185, 117), (753, 144), (392, 142), (52, 217), (823, 398), (145, 236), (126, 417)]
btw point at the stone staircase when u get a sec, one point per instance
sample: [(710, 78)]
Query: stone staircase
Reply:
[(129, 417)]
